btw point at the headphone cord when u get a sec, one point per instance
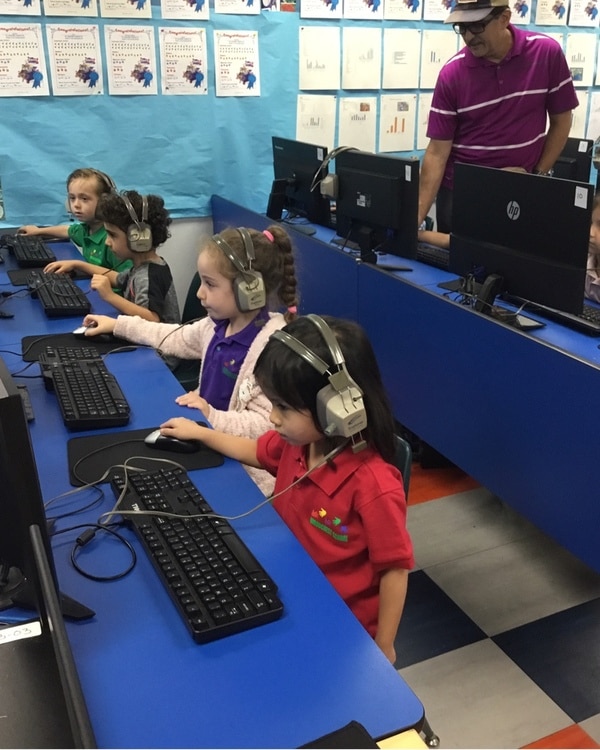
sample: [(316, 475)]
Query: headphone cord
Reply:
[(164, 514)]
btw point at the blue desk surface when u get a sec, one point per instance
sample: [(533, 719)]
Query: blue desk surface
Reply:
[(147, 684)]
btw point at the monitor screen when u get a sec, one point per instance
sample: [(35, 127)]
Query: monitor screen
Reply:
[(531, 231), (575, 160), (377, 202), (21, 505), (297, 168)]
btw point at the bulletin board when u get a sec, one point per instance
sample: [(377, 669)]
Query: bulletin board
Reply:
[(186, 148)]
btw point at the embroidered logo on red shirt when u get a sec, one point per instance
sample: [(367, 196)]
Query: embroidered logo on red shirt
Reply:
[(333, 527)]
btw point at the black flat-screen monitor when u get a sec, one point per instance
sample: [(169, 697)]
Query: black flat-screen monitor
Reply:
[(377, 202), (575, 160), (298, 169), (41, 697), (529, 230), (21, 506)]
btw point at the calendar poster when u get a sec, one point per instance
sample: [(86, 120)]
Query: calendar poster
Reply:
[(236, 63), (75, 60), (321, 8), (183, 61), (403, 10), (185, 9), (365, 10), (238, 7), (20, 8), (79, 8), (125, 9), (23, 63), (130, 60)]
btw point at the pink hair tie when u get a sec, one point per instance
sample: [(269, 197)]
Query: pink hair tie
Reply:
[(293, 309), (268, 235)]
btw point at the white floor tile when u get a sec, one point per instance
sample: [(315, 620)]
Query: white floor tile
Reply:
[(461, 524), (476, 697), (592, 727), (516, 583)]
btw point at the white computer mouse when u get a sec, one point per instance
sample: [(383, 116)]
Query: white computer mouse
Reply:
[(164, 442)]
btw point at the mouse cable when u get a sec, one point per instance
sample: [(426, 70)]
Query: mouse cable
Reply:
[(165, 514), (100, 449), (91, 529)]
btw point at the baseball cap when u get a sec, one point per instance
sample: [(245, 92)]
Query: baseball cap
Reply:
[(468, 11)]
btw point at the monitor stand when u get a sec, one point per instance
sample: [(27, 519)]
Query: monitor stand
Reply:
[(368, 254), (303, 228), (21, 594)]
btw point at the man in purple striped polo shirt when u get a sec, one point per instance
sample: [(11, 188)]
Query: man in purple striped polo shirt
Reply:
[(491, 103)]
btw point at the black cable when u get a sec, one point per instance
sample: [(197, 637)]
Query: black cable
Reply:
[(85, 538)]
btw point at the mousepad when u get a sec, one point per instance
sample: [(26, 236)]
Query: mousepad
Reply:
[(19, 276), (32, 346), (91, 456)]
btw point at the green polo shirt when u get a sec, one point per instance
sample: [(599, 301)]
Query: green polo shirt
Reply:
[(94, 248)]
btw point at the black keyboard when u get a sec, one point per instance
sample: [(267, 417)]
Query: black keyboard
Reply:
[(88, 394), (215, 582), (58, 294), (433, 255), (588, 321), (29, 252), (51, 355)]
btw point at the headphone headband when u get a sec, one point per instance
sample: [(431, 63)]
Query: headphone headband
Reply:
[(131, 209)]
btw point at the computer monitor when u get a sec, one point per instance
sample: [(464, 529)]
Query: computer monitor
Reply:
[(21, 506), (377, 202), (575, 160), (530, 231), (297, 168)]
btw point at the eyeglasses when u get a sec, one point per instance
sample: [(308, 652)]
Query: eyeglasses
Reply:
[(477, 27)]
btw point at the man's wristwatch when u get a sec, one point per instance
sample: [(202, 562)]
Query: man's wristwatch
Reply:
[(540, 173)]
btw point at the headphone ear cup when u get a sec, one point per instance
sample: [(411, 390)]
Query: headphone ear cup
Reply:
[(341, 414), (249, 291), (139, 238)]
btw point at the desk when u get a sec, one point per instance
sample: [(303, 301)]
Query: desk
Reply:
[(146, 683), (515, 410)]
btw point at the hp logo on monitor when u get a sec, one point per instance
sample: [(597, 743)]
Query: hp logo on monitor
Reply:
[(513, 210)]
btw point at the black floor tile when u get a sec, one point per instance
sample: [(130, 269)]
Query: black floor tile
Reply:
[(561, 654), (432, 624)]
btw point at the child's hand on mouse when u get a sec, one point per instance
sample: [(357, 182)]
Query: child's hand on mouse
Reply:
[(183, 429), (98, 324)]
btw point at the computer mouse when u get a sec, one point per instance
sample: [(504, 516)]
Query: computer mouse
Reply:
[(80, 331), (166, 443)]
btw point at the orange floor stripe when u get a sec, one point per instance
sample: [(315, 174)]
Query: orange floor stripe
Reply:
[(571, 737), (429, 484)]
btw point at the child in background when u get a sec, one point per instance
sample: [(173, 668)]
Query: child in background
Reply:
[(592, 277), (332, 420), (230, 339), (84, 188), (135, 226)]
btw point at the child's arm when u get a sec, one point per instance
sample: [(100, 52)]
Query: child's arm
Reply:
[(59, 232), (392, 593), (66, 266), (103, 283), (239, 448), (441, 239)]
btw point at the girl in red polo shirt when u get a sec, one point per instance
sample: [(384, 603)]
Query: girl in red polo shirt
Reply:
[(331, 451)]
